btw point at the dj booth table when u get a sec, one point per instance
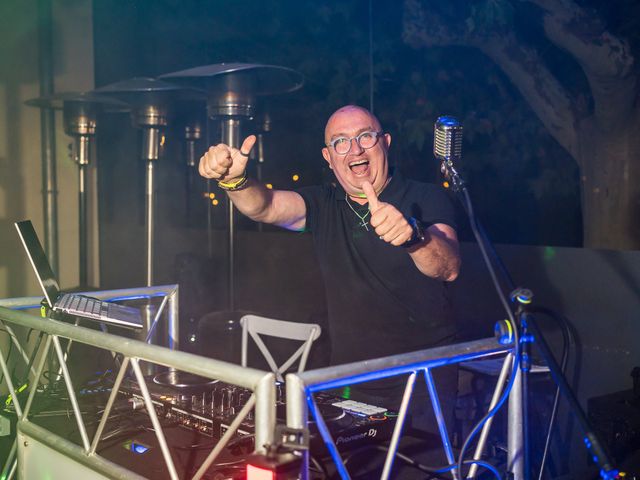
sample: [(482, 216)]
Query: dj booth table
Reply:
[(73, 445)]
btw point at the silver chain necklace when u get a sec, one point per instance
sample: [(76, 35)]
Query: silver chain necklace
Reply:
[(363, 223)]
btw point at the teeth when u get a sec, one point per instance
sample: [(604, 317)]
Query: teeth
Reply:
[(361, 162)]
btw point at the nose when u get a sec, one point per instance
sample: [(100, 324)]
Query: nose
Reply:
[(358, 150)]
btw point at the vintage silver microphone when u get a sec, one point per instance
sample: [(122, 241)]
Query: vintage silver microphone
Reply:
[(447, 147)]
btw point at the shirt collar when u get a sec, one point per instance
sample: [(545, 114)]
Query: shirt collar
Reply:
[(394, 186)]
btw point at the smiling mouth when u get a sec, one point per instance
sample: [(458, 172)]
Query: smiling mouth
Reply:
[(361, 167)]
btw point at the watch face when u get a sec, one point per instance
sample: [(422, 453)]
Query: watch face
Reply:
[(419, 231)]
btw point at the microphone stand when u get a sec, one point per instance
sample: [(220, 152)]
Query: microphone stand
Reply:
[(526, 331)]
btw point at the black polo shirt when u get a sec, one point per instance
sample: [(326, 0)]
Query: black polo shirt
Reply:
[(378, 301)]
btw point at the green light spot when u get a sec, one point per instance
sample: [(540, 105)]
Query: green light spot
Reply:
[(549, 254), (346, 392)]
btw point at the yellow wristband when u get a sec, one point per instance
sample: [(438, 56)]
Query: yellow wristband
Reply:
[(237, 185)]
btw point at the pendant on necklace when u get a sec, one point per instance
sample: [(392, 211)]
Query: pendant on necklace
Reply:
[(363, 218)]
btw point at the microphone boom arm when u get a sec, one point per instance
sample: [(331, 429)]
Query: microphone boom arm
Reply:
[(447, 146)]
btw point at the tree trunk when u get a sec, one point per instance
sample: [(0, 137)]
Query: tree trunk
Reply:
[(609, 157), (605, 144)]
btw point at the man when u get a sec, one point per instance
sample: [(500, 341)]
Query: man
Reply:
[(385, 245)]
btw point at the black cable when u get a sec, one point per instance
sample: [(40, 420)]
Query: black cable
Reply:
[(98, 415), (106, 375), (496, 258), (382, 448), (32, 357), (432, 471), (120, 432), (14, 378), (482, 241), (567, 342), (8, 354), (480, 463), (204, 446), (47, 373), (134, 423), (357, 451), (320, 467), (468, 206)]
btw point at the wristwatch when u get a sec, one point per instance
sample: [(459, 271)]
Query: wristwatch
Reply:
[(418, 233)]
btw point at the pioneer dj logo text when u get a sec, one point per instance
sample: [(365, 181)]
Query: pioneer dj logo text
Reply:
[(372, 432)]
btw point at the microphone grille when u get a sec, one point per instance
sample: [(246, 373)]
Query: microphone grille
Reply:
[(447, 139)]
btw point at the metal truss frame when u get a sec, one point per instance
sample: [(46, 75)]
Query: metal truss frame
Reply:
[(262, 384), (301, 386)]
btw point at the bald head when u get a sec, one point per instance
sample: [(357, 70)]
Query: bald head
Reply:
[(348, 111), (358, 165)]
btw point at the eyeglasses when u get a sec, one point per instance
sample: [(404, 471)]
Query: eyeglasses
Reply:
[(366, 140)]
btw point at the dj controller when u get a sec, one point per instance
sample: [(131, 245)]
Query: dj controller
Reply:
[(195, 413), (209, 406)]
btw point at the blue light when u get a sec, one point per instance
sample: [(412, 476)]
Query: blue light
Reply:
[(390, 372), (609, 475), (448, 121), (503, 332), (524, 299), (138, 448)]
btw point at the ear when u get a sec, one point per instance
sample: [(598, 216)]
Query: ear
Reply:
[(387, 139), (327, 156)]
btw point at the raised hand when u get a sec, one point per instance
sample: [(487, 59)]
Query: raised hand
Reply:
[(224, 163), (389, 223)]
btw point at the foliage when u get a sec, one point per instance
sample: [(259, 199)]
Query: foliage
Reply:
[(514, 168)]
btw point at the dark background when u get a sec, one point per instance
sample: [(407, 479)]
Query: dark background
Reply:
[(524, 184)]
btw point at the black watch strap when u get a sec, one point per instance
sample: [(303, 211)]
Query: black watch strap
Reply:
[(418, 233)]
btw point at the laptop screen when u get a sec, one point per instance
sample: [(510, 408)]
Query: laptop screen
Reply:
[(39, 261)]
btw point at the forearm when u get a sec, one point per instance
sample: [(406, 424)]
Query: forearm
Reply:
[(253, 200), (438, 256), (276, 207), (228, 166)]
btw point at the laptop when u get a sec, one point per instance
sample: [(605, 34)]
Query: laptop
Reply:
[(69, 303)]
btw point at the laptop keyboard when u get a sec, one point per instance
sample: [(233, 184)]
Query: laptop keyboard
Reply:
[(80, 304), (93, 308)]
